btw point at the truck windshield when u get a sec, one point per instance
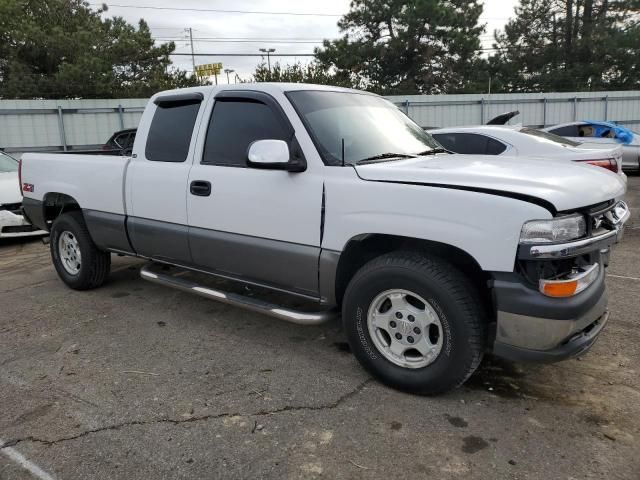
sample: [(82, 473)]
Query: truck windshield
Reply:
[(7, 164), (370, 127)]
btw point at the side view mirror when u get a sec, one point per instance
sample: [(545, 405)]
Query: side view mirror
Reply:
[(272, 155)]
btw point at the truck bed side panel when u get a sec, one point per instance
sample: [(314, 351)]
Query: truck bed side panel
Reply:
[(94, 181)]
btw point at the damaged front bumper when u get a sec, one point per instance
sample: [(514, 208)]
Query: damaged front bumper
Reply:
[(534, 326)]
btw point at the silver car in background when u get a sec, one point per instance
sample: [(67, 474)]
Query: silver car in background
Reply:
[(605, 133)]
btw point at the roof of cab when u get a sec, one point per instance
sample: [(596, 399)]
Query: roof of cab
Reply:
[(267, 87)]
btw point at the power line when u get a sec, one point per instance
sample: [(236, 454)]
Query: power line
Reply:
[(244, 54), (206, 40), (217, 10), (208, 54)]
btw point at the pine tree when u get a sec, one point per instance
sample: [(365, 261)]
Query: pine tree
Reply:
[(64, 49), (569, 45), (417, 46)]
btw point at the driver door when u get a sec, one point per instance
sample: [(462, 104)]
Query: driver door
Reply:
[(256, 225)]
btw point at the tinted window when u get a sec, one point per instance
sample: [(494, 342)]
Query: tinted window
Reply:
[(171, 130), (566, 131), (121, 140), (130, 140), (469, 143), (494, 147), (236, 124)]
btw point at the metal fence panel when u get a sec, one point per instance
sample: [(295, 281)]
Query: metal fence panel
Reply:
[(56, 125), (536, 109)]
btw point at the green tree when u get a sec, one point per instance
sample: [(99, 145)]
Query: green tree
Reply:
[(64, 49), (298, 73), (416, 46), (568, 45)]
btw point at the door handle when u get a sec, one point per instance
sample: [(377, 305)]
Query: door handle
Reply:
[(200, 188)]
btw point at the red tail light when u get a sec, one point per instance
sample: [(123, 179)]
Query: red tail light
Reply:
[(608, 163)]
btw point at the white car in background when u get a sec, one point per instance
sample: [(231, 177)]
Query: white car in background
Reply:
[(606, 134), (519, 141), (12, 223)]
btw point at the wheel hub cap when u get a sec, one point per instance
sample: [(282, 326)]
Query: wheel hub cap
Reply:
[(405, 328), (69, 251)]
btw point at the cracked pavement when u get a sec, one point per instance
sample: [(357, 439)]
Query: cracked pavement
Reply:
[(137, 381)]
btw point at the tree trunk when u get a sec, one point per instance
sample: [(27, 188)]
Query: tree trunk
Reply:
[(568, 30)]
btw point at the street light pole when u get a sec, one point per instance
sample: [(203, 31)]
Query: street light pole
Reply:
[(228, 71), (268, 51)]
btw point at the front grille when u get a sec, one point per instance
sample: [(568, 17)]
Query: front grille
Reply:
[(600, 221), (12, 207)]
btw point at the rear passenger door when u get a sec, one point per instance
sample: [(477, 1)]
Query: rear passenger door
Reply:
[(256, 225), (156, 181)]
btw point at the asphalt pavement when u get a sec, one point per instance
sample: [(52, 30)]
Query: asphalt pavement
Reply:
[(138, 381)]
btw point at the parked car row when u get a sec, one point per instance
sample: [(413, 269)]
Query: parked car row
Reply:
[(603, 144), (528, 142), (335, 197)]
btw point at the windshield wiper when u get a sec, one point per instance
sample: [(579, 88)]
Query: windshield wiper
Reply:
[(433, 151), (384, 156)]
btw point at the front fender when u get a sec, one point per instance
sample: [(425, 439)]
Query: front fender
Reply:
[(484, 225)]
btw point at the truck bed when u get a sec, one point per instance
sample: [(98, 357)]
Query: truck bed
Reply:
[(95, 181)]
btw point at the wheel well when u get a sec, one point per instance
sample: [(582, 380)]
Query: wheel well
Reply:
[(363, 248), (55, 204)]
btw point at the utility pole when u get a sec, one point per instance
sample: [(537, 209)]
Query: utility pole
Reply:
[(268, 51), (228, 71), (193, 57)]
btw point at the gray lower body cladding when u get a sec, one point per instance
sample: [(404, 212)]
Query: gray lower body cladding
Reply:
[(34, 212), (285, 266)]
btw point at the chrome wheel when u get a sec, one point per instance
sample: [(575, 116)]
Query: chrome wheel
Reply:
[(405, 328), (69, 251)]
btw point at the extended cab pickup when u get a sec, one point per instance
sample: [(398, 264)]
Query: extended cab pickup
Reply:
[(336, 197)]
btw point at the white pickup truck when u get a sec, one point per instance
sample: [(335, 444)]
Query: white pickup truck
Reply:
[(336, 197)]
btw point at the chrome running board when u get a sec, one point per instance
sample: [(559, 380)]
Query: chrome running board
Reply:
[(294, 316)]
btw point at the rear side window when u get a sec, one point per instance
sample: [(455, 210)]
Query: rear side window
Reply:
[(234, 125), (171, 130), (566, 131), (494, 147), (121, 140), (470, 143)]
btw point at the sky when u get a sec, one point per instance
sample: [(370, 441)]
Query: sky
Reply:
[(236, 32)]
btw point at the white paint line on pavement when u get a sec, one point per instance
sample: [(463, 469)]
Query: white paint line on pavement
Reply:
[(622, 276), (20, 459)]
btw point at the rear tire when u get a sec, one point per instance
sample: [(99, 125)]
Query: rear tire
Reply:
[(79, 263), (415, 322)]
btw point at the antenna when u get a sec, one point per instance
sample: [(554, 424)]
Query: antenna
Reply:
[(343, 152)]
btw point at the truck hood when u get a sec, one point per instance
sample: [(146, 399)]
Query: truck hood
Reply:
[(9, 188), (560, 186)]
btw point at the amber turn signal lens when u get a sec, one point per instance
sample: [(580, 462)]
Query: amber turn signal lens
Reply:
[(560, 289), (576, 282)]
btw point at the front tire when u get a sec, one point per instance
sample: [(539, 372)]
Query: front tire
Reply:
[(79, 263), (415, 322)]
